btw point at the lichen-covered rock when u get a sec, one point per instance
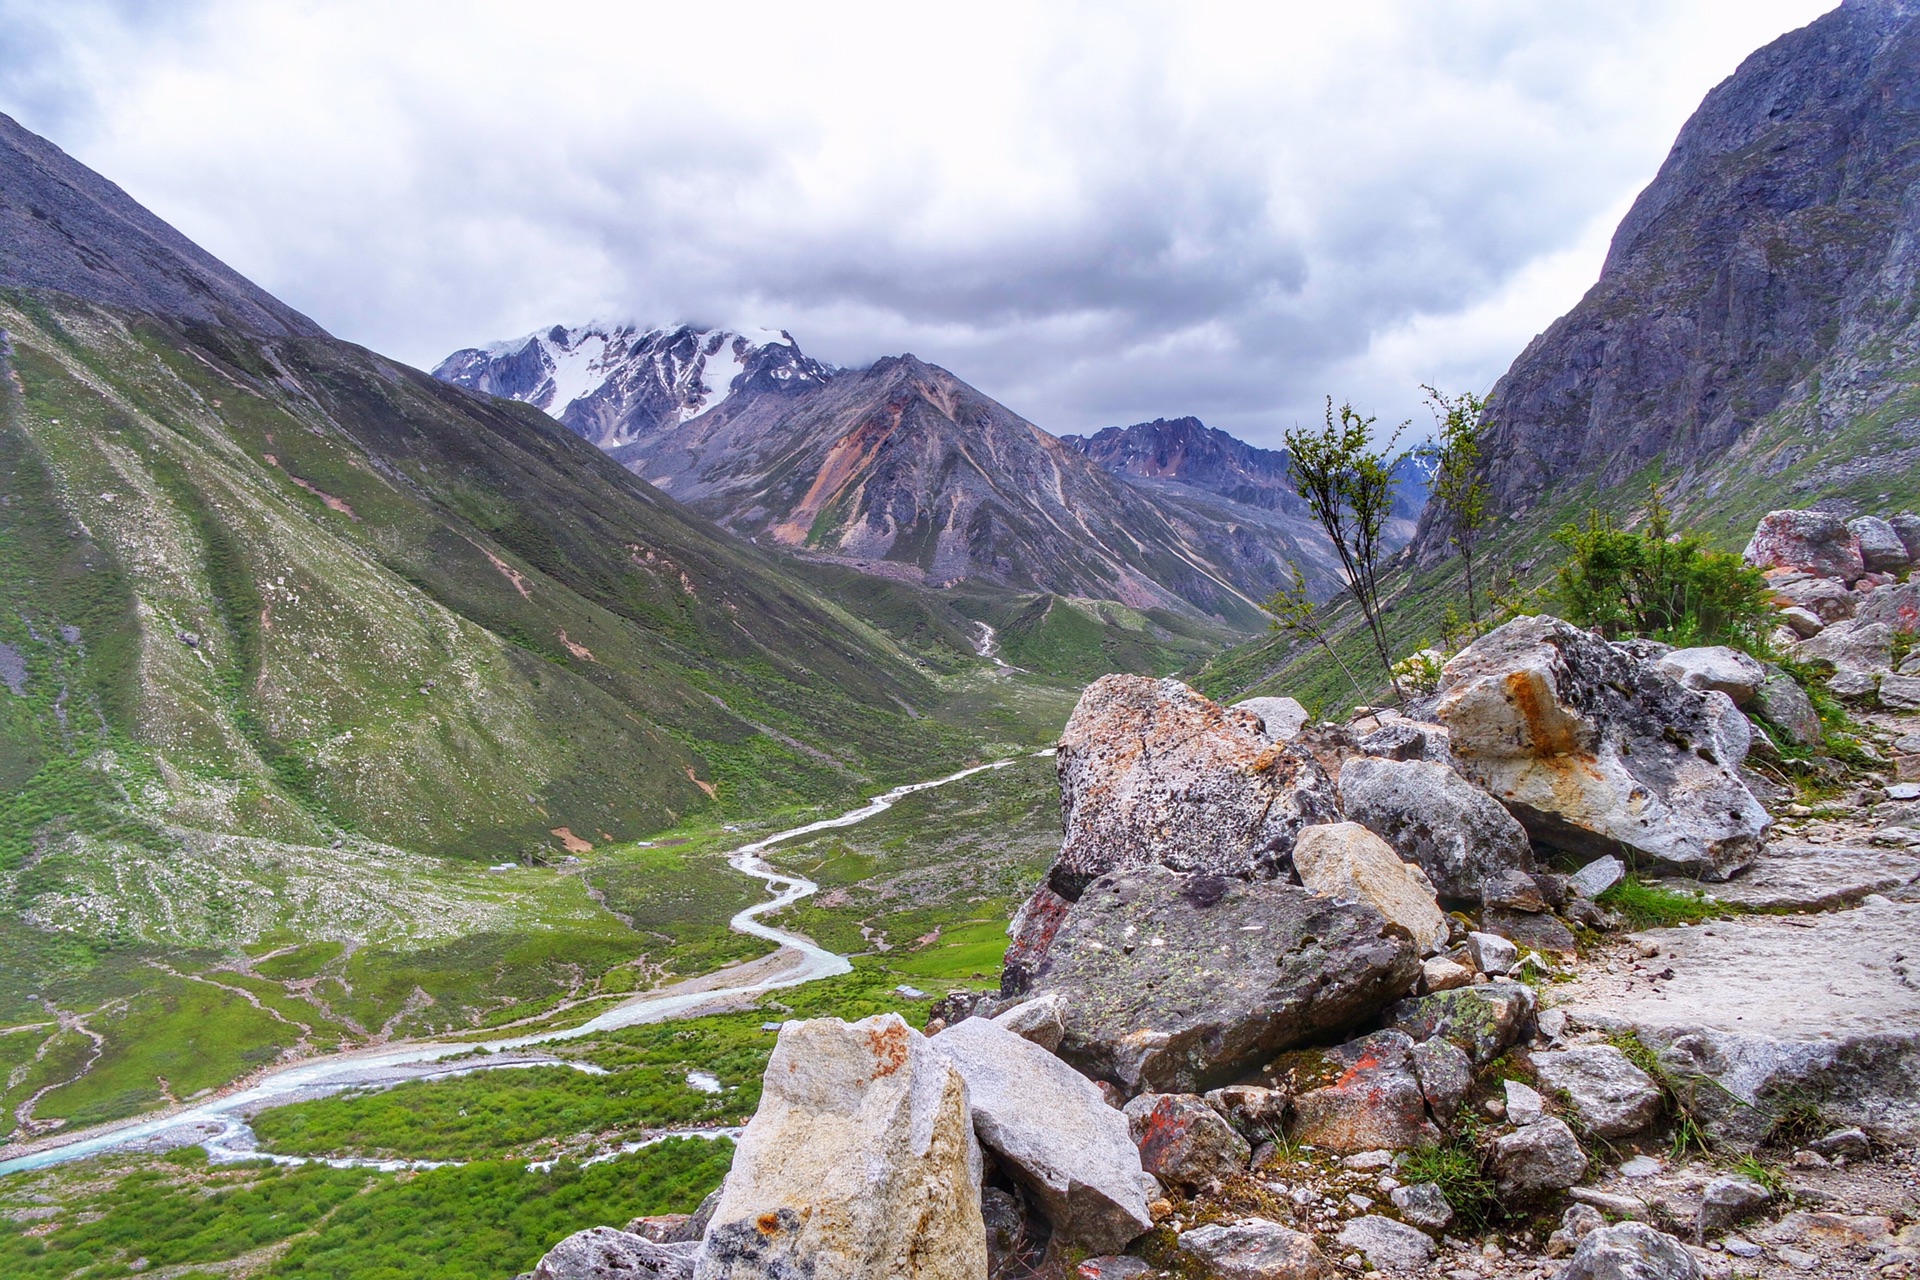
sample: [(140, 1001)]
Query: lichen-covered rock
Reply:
[(1827, 599), (1854, 645), (1424, 1205), (1483, 1021), (606, 1253), (1715, 667), (1154, 774), (1176, 983), (1611, 1096), (1184, 1142), (1446, 1074), (1388, 1245), (1455, 832), (1816, 542), (1596, 752), (1049, 1128), (1630, 1251), (1895, 605), (1782, 703), (1373, 1102), (1881, 547), (1256, 1249), (861, 1162), (1345, 860), (1538, 1159), (1281, 719), (1257, 1112)]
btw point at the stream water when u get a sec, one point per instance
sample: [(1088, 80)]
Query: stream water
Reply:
[(220, 1123)]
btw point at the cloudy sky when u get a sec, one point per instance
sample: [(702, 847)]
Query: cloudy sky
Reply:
[(1096, 213)]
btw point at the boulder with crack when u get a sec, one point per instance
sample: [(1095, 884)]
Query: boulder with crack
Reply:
[(1175, 983), (860, 1162), (1455, 832), (1154, 774), (1050, 1128), (1596, 752)]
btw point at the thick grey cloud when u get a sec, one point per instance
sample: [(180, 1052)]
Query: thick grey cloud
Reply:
[(1097, 213)]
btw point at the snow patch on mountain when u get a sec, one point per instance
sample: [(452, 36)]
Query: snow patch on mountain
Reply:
[(617, 382)]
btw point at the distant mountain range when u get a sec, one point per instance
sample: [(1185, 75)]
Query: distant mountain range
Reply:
[(903, 469)]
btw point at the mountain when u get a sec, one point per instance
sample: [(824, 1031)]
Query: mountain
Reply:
[(1236, 500), (1753, 337), (618, 383), (64, 227), (306, 652), (901, 469)]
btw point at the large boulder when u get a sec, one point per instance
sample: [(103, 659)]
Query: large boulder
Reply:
[(1610, 1095), (1854, 645), (1816, 542), (1176, 983), (1051, 1129), (1881, 547), (1183, 1141), (1630, 1251), (1281, 719), (1371, 1100), (1715, 667), (1596, 752), (860, 1162), (1256, 1249), (1452, 830), (1482, 1021), (1153, 773), (1345, 860), (607, 1253)]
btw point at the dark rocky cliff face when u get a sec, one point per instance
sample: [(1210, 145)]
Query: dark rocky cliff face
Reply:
[(1770, 266)]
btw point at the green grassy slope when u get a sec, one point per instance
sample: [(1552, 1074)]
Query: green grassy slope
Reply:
[(297, 642)]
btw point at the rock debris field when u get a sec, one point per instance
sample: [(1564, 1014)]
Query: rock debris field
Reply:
[(1597, 961)]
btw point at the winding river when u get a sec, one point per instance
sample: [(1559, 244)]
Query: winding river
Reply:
[(220, 1124)]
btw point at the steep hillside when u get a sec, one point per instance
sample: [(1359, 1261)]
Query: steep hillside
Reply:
[(902, 468), (311, 667), (1753, 335), (1237, 501)]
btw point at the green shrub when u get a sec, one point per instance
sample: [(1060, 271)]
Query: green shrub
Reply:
[(1654, 582)]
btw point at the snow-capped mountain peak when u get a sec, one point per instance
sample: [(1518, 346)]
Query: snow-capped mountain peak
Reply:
[(617, 382)]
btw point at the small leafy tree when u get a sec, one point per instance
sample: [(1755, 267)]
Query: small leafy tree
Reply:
[(1655, 582), (1458, 485), (1349, 484), (1296, 615)]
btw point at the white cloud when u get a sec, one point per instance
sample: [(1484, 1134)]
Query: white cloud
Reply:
[(1097, 212)]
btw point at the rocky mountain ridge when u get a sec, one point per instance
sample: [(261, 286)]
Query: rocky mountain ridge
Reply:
[(1752, 332), (616, 384)]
